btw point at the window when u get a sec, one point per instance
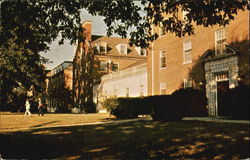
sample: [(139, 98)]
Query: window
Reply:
[(162, 59), (101, 47), (122, 48), (103, 66), (114, 67), (187, 52), (162, 31), (143, 52), (220, 40), (127, 92), (140, 51), (187, 82), (163, 88), (221, 76)]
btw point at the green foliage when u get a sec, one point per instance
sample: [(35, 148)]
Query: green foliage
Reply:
[(244, 58), (126, 107), (184, 102), (110, 104), (89, 107), (197, 72), (237, 102), (28, 27), (63, 98), (191, 102), (163, 108)]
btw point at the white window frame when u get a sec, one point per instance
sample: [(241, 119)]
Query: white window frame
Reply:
[(163, 88), (112, 66), (162, 31), (187, 82), (141, 51), (163, 52), (119, 48), (104, 70), (220, 39), (187, 52), (101, 44)]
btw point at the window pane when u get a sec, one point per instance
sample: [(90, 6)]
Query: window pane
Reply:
[(114, 67), (123, 48), (103, 66), (162, 59)]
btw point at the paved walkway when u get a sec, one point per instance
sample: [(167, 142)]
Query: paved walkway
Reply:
[(215, 119)]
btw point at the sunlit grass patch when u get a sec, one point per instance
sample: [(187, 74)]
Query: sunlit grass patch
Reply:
[(131, 140)]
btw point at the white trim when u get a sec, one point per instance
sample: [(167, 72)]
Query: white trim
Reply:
[(216, 38), (163, 86), (187, 47)]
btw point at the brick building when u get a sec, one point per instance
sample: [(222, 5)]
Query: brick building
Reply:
[(60, 81), (110, 54), (170, 59)]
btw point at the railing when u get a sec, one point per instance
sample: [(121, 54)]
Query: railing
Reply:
[(126, 72)]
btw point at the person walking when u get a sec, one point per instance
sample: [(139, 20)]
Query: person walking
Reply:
[(40, 107), (27, 107)]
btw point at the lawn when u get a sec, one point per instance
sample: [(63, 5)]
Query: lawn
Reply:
[(142, 139), (17, 121)]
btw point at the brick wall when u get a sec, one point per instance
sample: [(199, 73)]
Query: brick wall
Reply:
[(202, 40)]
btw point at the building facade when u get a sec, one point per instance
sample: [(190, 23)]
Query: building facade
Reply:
[(60, 88), (170, 59), (108, 55)]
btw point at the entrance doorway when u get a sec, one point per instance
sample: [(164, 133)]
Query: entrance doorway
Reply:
[(222, 98)]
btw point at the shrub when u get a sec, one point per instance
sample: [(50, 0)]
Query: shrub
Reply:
[(190, 102), (90, 107), (126, 107), (163, 108), (239, 100), (110, 104)]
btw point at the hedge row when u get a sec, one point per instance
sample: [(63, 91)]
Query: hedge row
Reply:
[(236, 102), (184, 102)]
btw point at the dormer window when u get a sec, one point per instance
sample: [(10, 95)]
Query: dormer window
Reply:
[(122, 48), (101, 47), (140, 51)]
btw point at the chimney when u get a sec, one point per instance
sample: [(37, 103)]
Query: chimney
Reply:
[(87, 25)]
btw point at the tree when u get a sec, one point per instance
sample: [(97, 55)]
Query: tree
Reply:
[(28, 27)]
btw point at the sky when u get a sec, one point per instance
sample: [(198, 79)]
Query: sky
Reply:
[(60, 53)]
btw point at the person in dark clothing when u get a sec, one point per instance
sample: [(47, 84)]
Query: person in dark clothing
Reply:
[(40, 107)]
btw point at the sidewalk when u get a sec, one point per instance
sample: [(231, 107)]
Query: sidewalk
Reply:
[(215, 119)]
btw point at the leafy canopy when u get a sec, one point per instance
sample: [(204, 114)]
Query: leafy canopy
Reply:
[(28, 27)]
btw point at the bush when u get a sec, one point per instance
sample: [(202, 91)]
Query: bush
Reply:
[(239, 100), (191, 102), (184, 102), (110, 104), (126, 107), (89, 107), (163, 108)]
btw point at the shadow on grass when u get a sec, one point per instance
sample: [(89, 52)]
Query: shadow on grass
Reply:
[(131, 140), (43, 124)]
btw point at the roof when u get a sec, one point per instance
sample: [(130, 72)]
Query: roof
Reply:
[(136, 64), (112, 42)]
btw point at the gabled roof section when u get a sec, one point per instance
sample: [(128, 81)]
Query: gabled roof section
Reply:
[(210, 54), (112, 43)]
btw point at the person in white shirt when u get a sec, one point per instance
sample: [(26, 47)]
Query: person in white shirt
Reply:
[(27, 106)]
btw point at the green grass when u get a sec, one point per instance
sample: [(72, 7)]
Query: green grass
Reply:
[(131, 140)]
